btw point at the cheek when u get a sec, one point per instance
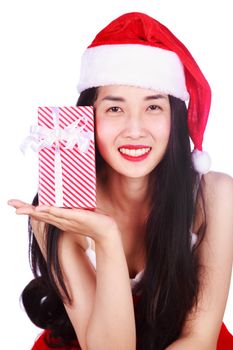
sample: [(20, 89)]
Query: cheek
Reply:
[(162, 129), (104, 137)]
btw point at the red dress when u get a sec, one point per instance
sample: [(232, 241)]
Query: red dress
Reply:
[(225, 342)]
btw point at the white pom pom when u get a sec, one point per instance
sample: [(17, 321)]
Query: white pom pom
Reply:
[(201, 161)]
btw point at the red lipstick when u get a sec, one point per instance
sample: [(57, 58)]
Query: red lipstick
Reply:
[(135, 157)]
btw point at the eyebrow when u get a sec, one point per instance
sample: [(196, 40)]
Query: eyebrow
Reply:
[(121, 99), (154, 97)]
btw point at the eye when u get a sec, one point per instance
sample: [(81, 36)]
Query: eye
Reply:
[(154, 108), (114, 109)]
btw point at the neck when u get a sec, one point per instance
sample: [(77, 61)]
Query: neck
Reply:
[(127, 201), (127, 195)]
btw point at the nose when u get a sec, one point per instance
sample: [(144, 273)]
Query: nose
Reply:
[(134, 126)]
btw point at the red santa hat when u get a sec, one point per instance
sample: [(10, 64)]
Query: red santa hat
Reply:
[(137, 50)]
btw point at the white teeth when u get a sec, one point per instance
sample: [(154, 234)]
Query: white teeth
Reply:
[(134, 152)]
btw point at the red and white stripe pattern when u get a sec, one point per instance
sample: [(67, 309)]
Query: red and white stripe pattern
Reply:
[(78, 168)]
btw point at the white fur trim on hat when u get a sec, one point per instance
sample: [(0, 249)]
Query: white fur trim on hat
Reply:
[(134, 65)]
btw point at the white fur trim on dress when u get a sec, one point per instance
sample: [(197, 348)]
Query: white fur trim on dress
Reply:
[(133, 65)]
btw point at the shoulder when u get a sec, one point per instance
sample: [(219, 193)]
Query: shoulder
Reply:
[(218, 179), (216, 192), (218, 201), (217, 187)]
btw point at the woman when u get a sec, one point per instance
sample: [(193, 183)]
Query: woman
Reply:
[(161, 219)]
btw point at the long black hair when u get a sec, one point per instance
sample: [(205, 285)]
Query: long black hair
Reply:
[(169, 288)]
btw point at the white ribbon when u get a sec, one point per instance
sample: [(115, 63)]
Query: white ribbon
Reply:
[(43, 137), (57, 161)]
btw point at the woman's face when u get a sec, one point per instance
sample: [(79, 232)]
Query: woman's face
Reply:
[(132, 128)]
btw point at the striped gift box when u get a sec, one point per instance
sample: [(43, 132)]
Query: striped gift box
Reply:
[(67, 176)]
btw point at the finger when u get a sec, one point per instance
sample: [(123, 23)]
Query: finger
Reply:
[(45, 219), (77, 214), (27, 209), (41, 216), (23, 208), (49, 217), (16, 203), (63, 223)]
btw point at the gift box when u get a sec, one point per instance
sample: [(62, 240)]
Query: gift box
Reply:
[(64, 138)]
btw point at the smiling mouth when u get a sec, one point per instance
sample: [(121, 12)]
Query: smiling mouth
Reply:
[(134, 152)]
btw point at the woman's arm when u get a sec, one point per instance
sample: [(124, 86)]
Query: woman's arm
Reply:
[(103, 316), (112, 323), (202, 327), (102, 307), (80, 280), (79, 275)]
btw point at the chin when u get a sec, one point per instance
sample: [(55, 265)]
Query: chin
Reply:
[(137, 172), (131, 169)]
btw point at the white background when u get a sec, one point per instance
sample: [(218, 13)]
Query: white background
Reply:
[(40, 49)]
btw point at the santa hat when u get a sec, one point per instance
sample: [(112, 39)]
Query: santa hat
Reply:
[(137, 50)]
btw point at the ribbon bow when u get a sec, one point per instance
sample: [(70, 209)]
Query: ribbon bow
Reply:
[(43, 137)]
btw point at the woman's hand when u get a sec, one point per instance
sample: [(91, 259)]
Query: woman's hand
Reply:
[(84, 222)]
